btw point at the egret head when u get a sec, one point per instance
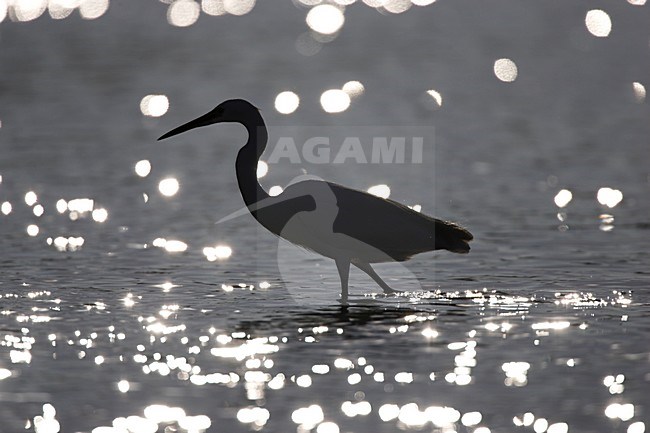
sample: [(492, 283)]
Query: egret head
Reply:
[(232, 110)]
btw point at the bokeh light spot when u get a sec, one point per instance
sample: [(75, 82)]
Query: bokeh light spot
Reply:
[(325, 19), (32, 230), (154, 105), (381, 190), (28, 10), (93, 9), (238, 7), (100, 215), (598, 23), (639, 91), (636, 427), (286, 102), (5, 208), (168, 187), (353, 88), (218, 252), (397, 6), (275, 190), (123, 386), (262, 169), (609, 197), (335, 101), (563, 198), (38, 210), (3, 14), (183, 13), (436, 96), (143, 168), (213, 7), (505, 70), (31, 198)]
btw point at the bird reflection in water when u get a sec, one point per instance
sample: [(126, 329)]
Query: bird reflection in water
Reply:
[(346, 225)]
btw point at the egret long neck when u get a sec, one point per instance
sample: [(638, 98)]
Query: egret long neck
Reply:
[(246, 164)]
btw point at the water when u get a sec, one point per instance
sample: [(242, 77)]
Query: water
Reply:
[(542, 327)]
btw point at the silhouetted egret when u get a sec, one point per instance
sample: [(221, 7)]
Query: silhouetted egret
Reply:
[(349, 226)]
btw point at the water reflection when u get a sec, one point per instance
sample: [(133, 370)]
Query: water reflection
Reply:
[(516, 373), (253, 415), (308, 417), (170, 245), (614, 384), (246, 363), (172, 417), (606, 222), (70, 243), (624, 412), (353, 409), (218, 252), (47, 422)]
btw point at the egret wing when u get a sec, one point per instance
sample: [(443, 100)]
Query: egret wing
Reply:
[(395, 229)]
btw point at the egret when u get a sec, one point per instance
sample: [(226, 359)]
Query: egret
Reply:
[(346, 225)]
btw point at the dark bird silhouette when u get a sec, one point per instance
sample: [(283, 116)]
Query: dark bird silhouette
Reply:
[(349, 226)]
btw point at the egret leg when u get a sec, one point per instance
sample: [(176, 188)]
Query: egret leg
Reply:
[(365, 267), (343, 267)]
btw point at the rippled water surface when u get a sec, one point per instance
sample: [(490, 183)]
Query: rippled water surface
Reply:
[(125, 308)]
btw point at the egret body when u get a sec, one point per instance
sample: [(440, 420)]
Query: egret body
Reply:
[(346, 225)]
